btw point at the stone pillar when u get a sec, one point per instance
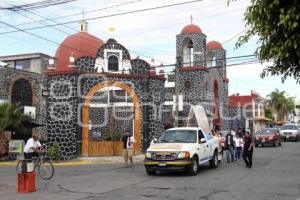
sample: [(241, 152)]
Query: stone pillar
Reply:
[(62, 116)]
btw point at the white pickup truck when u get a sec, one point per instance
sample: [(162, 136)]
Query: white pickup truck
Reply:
[(183, 149)]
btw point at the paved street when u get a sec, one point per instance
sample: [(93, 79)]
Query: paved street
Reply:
[(275, 175)]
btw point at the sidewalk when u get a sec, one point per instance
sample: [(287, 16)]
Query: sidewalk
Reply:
[(86, 161)]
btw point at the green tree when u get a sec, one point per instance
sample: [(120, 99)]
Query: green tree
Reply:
[(276, 23), (10, 116), (280, 104), (268, 113)]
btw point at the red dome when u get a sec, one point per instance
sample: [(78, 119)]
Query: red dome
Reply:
[(191, 28), (214, 45), (80, 44)]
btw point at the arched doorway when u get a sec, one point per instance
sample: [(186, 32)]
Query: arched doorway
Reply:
[(86, 107), (216, 120), (22, 93)]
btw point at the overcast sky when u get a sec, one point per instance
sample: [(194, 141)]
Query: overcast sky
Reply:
[(150, 34)]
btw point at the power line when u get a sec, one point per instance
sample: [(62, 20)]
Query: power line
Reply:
[(51, 40), (41, 22), (48, 40), (214, 67), (236, 35), (106, 16), (161, 66), (78, 13), (98, 9), (40, 37), (170, 25), (36, 5)]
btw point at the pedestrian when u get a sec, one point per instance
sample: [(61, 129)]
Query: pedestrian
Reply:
[(238, 146), (128, 142), (32, 147), (243, 132), (229, 144), (239, 132), (248, 149), (234, 148)]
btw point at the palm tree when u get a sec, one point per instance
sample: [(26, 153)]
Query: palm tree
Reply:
[(10, 116), (280, 104), (289, 106)]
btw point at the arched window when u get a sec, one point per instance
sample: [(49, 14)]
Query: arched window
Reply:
[(210, 59), (113, 63), (214, 62), (188, 52)]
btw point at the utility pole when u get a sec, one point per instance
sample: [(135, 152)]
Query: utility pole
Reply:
[(177, 89)]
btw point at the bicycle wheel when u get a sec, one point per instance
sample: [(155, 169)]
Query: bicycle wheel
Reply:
[(46, 170), (19, 166)]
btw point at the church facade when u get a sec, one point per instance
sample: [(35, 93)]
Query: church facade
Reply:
[(96, 91)]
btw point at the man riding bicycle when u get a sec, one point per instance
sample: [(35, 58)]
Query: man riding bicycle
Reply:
[(33, 147)]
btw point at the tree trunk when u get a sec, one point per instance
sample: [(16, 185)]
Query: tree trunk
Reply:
[(2, 144)]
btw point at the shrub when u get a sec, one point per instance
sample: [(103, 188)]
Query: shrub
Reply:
[(54, 152), (113, 136)]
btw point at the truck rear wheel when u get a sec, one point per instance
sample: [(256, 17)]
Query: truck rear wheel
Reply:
[(214, 161), (193, 169)]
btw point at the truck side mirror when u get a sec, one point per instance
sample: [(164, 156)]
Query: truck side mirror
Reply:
[(202, 140)]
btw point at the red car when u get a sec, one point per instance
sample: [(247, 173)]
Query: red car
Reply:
[(267, 136)]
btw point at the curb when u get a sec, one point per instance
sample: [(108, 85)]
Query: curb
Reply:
[(71, 163)]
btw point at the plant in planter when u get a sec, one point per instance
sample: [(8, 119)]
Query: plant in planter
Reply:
[(113, 136), (54, 152)]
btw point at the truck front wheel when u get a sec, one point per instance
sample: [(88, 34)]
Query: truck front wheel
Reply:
[(214, 161), (193, 169), (150, 171)]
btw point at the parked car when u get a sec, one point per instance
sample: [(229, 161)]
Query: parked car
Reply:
[(267, 136), (290, 132)]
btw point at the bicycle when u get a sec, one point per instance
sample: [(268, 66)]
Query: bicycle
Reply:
[(45, 168)]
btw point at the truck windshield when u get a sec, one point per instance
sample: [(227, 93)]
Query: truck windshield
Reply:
[(289, 127), (179, 136)]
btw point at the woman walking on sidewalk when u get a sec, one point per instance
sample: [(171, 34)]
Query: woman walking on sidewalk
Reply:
[(238, 146)]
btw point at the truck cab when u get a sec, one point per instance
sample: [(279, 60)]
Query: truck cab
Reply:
[(183, 149)]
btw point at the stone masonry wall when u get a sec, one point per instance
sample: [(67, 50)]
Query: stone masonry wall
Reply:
[(62, 114), (38, 82)]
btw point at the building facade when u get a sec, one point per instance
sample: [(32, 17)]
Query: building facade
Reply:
[(248, 111), (296, 117), (97, 91), (23, 80)]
